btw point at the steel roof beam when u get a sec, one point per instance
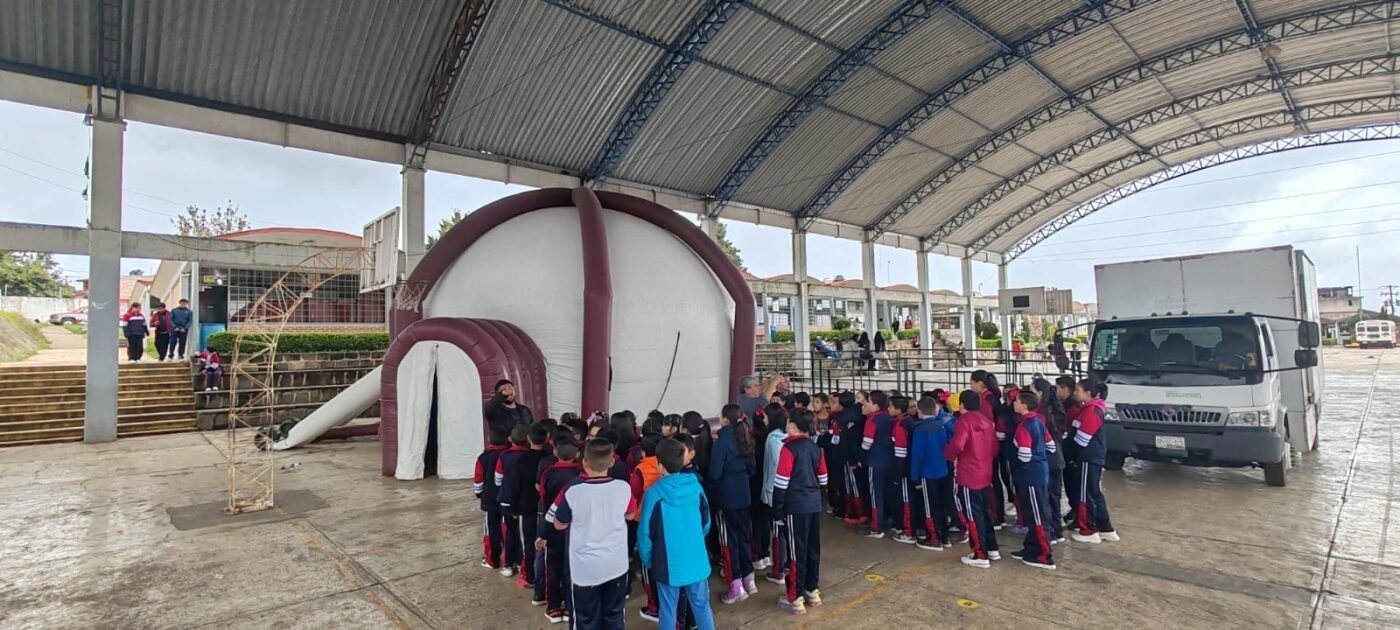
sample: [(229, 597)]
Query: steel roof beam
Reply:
[(1383, 65), (1360, 134), (1224, 131), (894, 27), (109, 59), (1094, 14), (684, 48), (442, 82), (1247, 14), (1307, 23)]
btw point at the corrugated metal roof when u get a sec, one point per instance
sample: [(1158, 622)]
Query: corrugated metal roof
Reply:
[(1271, 9), (1009, 160), (546, 86), (936, 209), (699, 131), (1093, 158), (1192, 152), (57, 35), (803, 163), (937, 52), (1222, 70), (1130, 174), (1355, 121), (872, 96), (1338, 90), (1007, 97), (1353, 43), (1015, 20), (1065, 62), (1242, 108), (1053, 178), (841, 22), (1130, 101), (662, 19), (907, 165), (360, 64), (1158, 29), (759, 47), (1164, 130), (1050, 137), (950, 132)]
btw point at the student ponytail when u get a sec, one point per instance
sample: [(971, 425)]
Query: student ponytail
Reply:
[(743, 436), (1097, 388)]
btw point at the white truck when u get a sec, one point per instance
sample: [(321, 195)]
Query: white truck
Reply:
[(1210, 360)]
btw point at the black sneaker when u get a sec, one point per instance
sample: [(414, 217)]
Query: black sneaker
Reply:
[(873, 533), (1048, 566)]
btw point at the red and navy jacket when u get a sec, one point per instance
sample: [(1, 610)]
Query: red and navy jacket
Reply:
[(553, 480), (620, 470), (850, 425), (1071, 450), (527, 470), (507, 480), (1088, 434), (797, 487), (484, 482), (884, 441), (906, 424), (1033, 445), (830, 442), (972, 448)]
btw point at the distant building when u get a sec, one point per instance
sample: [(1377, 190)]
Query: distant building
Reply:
[(1335, 306)]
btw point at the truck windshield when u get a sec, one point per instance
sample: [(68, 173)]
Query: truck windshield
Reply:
[(1178, 352)]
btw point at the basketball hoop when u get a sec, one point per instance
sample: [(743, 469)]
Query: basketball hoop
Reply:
[(408, 295)]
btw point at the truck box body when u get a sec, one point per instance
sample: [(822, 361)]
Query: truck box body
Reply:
[(1261, 281)]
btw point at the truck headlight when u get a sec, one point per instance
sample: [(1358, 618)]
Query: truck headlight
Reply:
[(1110, 414), (1251, 418)]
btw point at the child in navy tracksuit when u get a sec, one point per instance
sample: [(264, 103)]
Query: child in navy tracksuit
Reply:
[(850, 426), (553, 479), (1031, 475), (731, 467), (1064, 390), (484, 481), (525, 483), (508, 481), (930, 472), (885, 448), (973, 450), (797, 500), (1094, 524), (911, 514)]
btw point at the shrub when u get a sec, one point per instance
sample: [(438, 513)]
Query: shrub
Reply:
[(831, 336), (907, 334), (988, 330), (840, 323), (312, 342), (994, 342)]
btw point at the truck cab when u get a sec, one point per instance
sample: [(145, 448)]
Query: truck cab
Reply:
[(1210, 360)]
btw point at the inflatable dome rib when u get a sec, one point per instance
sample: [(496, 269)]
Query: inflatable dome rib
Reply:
[(588, 301)]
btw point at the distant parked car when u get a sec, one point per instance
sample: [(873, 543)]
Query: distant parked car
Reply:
[(75, 317)]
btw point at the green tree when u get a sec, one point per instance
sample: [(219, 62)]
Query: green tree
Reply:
[(197, 221), (445, 225), (987, 330), (24, 273), (722, 237)]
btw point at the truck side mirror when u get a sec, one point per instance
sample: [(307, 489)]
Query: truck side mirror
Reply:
[(1309, 335), (1305, 358)]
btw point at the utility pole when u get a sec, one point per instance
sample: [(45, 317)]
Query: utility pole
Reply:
[(1388, 304)]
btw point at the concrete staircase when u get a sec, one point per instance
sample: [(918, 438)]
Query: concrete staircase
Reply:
[(303, 382), (45, 403)]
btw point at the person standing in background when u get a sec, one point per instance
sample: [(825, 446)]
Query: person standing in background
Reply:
[(134, 326), (180, 321), (160, 323)]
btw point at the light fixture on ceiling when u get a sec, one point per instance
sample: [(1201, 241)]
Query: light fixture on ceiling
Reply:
[(1270, 52)]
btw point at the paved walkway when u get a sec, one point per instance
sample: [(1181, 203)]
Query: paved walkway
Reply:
[(65, 348)]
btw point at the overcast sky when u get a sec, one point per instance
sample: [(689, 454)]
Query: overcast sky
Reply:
[(1327, 200)]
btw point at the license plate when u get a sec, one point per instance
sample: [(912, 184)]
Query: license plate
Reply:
[(1174, 443)]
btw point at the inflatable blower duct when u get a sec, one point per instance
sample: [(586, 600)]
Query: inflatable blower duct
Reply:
[(587, 301)]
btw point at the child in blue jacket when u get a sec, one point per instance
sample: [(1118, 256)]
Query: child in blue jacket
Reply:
[(931, 474), (675, 516)]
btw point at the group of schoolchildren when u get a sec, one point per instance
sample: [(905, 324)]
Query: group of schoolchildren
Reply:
[(571, 504)]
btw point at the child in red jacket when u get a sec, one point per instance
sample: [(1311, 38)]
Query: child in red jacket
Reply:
[(973, 449)]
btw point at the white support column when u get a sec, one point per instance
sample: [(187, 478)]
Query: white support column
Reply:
[(867, 278), (763, 314), (969, 321), (192, 335), (925, 309), (411, 217), (709, 225), (799, 310), (1003, 282), (104, 279)]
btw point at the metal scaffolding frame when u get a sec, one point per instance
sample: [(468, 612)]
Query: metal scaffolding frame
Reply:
[(442, 82), (1324, 138)]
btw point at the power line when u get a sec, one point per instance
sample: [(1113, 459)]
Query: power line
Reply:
[(1204, 240), (1244, 203)]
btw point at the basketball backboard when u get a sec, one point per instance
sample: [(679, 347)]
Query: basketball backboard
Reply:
[(381, 238)]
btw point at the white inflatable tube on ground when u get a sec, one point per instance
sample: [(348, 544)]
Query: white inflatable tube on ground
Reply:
[(340, 410)]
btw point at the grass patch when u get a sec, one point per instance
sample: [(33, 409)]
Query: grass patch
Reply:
[(77, 329), (19, 337)]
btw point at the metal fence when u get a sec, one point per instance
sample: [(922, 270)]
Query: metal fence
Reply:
[(909, 370)]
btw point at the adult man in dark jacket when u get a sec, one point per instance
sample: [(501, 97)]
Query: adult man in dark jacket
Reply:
[(180, 321), (504, 412)]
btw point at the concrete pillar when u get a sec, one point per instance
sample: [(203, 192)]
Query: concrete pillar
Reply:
[(411, 217), (925, 309), (867, 270), (104, 279), (969, 321), (709, 225), (192, 336), (763, 314), (1003, 282), (799, 309)]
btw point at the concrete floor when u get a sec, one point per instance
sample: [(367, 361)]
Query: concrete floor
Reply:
[(127, 535)]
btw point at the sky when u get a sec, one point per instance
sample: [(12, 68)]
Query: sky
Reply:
[(1330, 201)]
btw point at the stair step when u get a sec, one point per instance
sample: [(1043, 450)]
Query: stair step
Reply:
[(76, 402), (80, 398), (124, 368), (75, 434), (80, 388), (122, 420), (123, 412)]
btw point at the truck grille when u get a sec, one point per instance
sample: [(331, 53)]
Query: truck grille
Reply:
[(1167, 414)]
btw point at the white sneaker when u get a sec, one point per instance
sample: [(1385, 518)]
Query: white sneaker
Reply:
[(974, 561), (901, 538), (508, 571), (762, 563), (1058, 540), (1092, 539), (1109, 536), (993, 555)]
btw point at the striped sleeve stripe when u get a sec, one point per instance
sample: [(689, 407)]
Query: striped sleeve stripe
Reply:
[(1081, 438), (900, 451), (821, 479), (836, 438), (499, 478), (866, 443), (1001, 435), (1023, 453), (780, 482), (1051, 446), (549, 516)]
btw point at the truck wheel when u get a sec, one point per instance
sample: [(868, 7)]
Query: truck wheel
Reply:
[(1114, 461), (1276, 474)]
